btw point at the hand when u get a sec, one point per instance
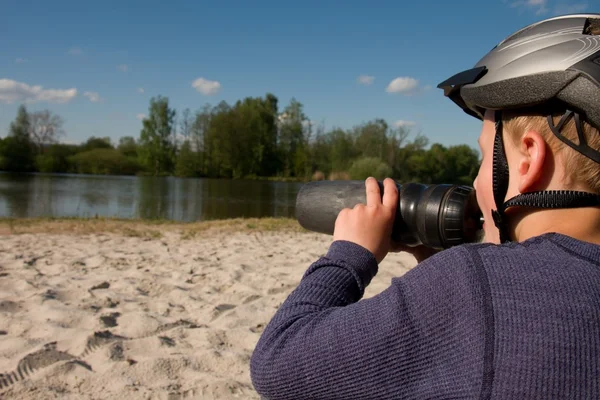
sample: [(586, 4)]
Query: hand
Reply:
[(370, 225)]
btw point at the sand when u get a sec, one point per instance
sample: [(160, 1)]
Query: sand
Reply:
[(109, 315)]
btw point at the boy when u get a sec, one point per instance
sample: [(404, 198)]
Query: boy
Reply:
[(517, 317)]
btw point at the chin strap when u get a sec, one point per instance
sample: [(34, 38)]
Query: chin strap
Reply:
[(544, 199), (541, 199), (500, 180)]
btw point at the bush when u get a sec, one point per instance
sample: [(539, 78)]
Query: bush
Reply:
[(104, 162), (339, 176), (16, 154), (56, 158), (365, 167), (318, 176), (187, 162)]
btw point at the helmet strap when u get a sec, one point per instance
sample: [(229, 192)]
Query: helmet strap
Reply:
[(500, 180)]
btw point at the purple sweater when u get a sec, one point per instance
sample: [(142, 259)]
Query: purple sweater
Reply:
[(477, 321)]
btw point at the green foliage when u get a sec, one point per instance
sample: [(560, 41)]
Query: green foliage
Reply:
[(104, 161), (97, 143), (20, 127), (365, 167), (128, 147), (240, 140), (156, 142), (342, 150), (17, 152), (187, 165), (455, 165), (293, 139), (249, 139), (56, 158), (371, 138)]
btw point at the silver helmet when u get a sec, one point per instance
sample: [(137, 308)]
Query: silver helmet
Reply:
[(555, 64), (557, 59)]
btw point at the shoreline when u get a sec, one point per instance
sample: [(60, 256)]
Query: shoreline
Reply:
[(144, 227)]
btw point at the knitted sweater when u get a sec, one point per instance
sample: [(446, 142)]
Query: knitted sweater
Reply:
[(476, 321)]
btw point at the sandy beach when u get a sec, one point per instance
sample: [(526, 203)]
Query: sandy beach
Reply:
[(134, 311)]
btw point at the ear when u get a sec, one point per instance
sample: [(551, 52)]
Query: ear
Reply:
[(532, 159)]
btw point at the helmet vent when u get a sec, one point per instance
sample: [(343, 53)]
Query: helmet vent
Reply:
[(592, 27)]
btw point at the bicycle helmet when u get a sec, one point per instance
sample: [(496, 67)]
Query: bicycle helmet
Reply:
[(554, 62)]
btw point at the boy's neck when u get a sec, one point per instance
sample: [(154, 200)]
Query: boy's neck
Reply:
[(579, 223)]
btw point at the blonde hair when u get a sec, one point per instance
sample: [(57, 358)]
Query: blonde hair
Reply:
[(579, 168)]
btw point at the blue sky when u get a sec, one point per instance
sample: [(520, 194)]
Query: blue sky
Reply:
[(97, 64)]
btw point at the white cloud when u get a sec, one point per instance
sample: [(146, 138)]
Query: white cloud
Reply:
[(75, 51), (94, 97), (20, 61), (404, 124), (540, 6), (123, 67), (402, 84), (365, 79), (140, 90), (140, 116), (206, 87), (13, 91)]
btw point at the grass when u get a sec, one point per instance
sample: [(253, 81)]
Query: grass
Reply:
[(153, 229)]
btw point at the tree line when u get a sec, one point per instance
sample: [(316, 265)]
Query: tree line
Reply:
[(250, 139)]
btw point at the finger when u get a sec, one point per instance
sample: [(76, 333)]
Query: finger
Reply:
[(390, 194), (373, 193), (343, 212)]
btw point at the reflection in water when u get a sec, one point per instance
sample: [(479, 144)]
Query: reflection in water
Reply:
[(153, 196), (178, 199), (14, 195)]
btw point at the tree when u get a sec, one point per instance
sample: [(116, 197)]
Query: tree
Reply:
[(187, 162), (293, 144), (462, 165), (45, 128), (128, 147), (406, 163), (239, 141), (17, 151), (365, 167), (371, 138), (396, 139), (103, 161), (156, 148), (97, 143), (342, 150), (56, 158), (198, 137), (270, 162), (186, 123)]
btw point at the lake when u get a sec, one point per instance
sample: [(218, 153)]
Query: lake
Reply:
[(177, 199)]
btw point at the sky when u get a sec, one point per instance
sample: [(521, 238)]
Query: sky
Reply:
[(98, 64)]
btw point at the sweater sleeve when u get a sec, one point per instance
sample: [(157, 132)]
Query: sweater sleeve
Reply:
[(420, 338)]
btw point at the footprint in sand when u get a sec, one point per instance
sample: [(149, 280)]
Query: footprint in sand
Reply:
[(32, 362), (110, 320), (99, 339), (220, 309), (251, 298), (8, 306)]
